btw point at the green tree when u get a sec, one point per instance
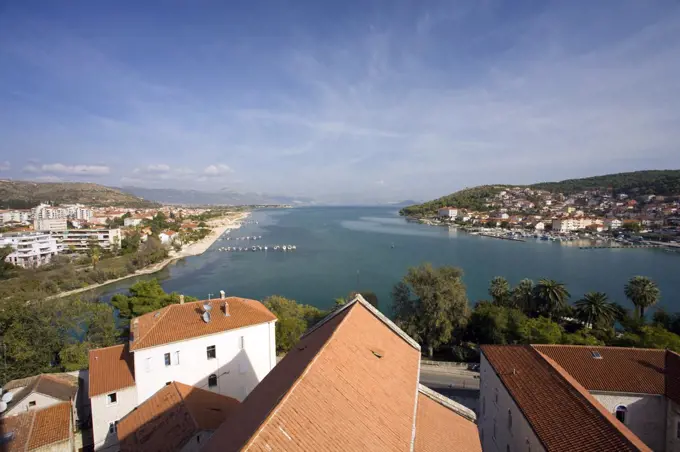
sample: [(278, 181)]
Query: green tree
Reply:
[(293, 320), (95, 256), (550, 298), (542, 330), (5, 267), (499, 290), (643, 292), (144, 297), (493, 324), (522, 296), (595, 310), (75, 356), (438, 306)]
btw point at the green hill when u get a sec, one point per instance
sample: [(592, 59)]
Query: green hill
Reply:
[(25, 194), (653, 182)]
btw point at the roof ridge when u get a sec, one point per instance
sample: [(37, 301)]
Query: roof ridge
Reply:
[(30, 430), (103, 348), (299, 379), (444, 401), (165, 310), (183, 402), (611, 347)]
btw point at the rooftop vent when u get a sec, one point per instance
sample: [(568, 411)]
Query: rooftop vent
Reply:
[(222, 295), (226, 309), (596, 354), (181, 299)]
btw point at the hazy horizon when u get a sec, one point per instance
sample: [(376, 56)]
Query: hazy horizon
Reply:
[(354, 102)]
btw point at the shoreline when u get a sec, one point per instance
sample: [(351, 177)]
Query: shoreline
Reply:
[(219, 225)]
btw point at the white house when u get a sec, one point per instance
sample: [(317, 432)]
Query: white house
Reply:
[(562, 397), (31, 249), (447, 212), (539, 226), (132, 221), (613, 223), (224, 345), (167, 237)]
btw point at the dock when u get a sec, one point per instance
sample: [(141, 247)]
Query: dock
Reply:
[(513, 239)]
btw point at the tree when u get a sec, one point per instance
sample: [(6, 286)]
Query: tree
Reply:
[(499, 290), (522, 296), (369, 296), (95, 255), (550, 298), (130, 243), (144, 297), (493, 324), (643, 292), (439, 304), (542, 330), (595, 309), (5, 267), (293, 320)]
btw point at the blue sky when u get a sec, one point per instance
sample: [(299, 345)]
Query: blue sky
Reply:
[(340, 101)]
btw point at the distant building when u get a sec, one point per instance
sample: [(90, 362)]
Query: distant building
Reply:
[(40, 391), (132, 221), (15, 216), (613, 223), (82, 239), (31, 249), (227, 353), (50, 224), (167, 237), (540, 226), (562, 397), (47, 429), (447, 212), (571, 224)]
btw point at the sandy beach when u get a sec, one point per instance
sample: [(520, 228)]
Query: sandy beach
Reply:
[(219, 226)]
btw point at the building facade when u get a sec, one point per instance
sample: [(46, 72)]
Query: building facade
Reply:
[(447, 212), (82, 239), (50, 224), (31, 249)]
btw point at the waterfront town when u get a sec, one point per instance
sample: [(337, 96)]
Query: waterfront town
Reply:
[(555, 215)]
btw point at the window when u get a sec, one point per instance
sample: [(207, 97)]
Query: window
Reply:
[(167, 359), (147, 364), (621, 412), (212, 381), (211, 352), (175, 359), (31, 403), (112, 399), (113, 427), (241, 343), (495, 398), (509, 420)]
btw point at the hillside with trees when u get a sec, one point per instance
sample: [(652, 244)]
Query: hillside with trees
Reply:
[(470, 198), (654, 182), (26, 194)]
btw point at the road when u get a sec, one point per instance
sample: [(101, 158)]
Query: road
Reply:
[(458, 385)]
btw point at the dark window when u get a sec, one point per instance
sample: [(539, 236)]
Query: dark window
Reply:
[(621, 412), (31, 403), (112, 398), (167, 359), (212, 381), (211, 352), (113, 427), (509, 419)]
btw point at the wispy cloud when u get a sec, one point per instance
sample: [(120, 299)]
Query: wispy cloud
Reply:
[(5, 166), (71, 170), (219, 169)]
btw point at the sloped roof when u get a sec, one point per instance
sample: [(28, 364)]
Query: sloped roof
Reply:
[(179, 322), (619, 369), (111, 369), (538, 385), (350, 384), (169, 418), (442, 425), (58, 386), (38, 428)]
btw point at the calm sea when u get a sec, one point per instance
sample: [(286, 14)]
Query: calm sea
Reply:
[(340, 249)]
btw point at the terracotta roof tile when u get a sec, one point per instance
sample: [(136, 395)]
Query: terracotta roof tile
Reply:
[(111, 368), (169, 418), (439, 429), (178, 322), (350, 384), (38, 428), (619, 370), (538, 385), (58, 386)]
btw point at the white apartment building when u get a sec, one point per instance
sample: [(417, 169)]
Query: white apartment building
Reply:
[(81, 239), (45, 211), (78, 212), (613, 223), (228, 351), (571, 224), (132, 221), (563, 397), (31, 249), (15, 216), (50, 224), (447, 212)]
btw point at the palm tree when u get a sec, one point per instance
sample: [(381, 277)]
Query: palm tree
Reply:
[(551, 297), (95, 254), (643, 292), (595, 309), (523, 295), (499, 289)]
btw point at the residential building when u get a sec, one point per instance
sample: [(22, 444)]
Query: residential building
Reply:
[(45, 212), (50, 224), (539, 226), (82, 239), (228, 352), (47, 429), (447, 212), (566, 398), (167, 237), (178, 417), (31, 249), (132, 221), (351, 384), (571, 224), (15, 216), (41, 391), (613, 223)]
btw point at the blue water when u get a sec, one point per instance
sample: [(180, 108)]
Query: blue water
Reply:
[(341, 249)]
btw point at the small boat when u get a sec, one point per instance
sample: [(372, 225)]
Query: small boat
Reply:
[(265, 247)]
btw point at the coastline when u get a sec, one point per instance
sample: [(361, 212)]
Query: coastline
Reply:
[(219, 225)]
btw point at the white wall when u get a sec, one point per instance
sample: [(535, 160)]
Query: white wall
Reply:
[(238, 371), (520, 436), (103, 414), (41, 401), (646, 416)]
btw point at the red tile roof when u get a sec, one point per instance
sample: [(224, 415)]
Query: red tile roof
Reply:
[(179, 322), (111, 369), (172, 416), (38, 428), (350, 384), (538, 385)]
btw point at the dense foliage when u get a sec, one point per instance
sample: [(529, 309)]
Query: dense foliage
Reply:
[(470, 198), (293, 320), (25, 194), (144, 297), (656, 182)]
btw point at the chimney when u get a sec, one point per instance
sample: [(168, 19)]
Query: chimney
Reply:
[(222, 294), (226, 309), (181, 299)]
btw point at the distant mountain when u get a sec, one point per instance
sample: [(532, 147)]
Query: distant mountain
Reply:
[(25, 194), (408, 202), (223, 197), (653, 182)]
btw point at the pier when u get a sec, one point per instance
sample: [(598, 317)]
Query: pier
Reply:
[(502, 237)]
